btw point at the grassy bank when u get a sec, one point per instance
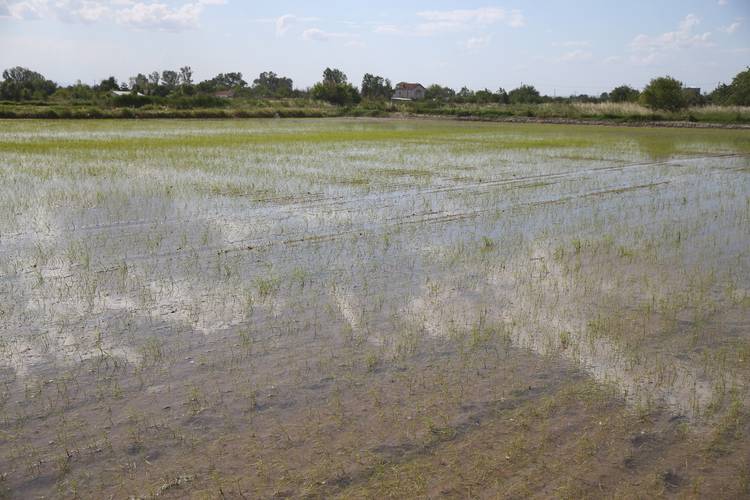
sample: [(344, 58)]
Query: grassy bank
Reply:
[(617, 112), (94, 112), (301, 108)]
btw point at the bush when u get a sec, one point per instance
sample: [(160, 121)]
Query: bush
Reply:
[(623, 93), (198, 101), (525, 94), (342, 94), (131, 101), (664, 93)]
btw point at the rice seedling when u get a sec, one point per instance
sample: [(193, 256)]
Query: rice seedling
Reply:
[(361, 307)]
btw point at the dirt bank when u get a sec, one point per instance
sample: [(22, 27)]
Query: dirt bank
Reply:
[(576, 121)]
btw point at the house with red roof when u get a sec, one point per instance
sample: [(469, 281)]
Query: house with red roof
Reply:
[(409, 91)]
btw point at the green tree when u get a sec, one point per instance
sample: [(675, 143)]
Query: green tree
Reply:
[(623, 93), (21, 84), (437, 92), (224, 81), (76, 92), (170, 79), (269, 84), (376, 87), (485, 96), (465, 94), (525, 94), (81, 91), (108, 84), (736, 93), (187, 89), (204, 87), (721, 94), (664, 93), (335, 89), (343, 94), (334, 76), (139, 83), (502, 96), (693, 97), (186, 75)]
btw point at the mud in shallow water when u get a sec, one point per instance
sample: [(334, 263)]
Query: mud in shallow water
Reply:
[(346, 307)]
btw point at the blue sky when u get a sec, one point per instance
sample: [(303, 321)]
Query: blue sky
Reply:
[(561, 47)]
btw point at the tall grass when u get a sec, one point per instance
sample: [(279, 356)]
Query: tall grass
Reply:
[(618, 112), (300, 108)]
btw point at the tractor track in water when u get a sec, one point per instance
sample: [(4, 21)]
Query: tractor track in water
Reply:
[(386, 201)]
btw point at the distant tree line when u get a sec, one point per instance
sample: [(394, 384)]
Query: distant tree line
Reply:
[(22, 84)]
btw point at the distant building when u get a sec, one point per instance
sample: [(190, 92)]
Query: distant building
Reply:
[(693, 96), (692, 91), (409, 91), (126, 92), (224, 94)]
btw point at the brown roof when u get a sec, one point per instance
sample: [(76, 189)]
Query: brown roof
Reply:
[(409, 86)]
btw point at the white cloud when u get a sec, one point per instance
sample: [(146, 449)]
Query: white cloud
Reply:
[(90, 12), (160, 16), (316, 34), (31, 9), (387, 28), (319, 35), (4, 10), (73, 11), (132, 13), (723, 2), (435, 22), (690, 22), (648, 49), (477, 42), (573, 43), (453, 20), (516, 19), (732, 28), (576, 56), (283, 24), (357, 44), (644, 59), (485, 15)]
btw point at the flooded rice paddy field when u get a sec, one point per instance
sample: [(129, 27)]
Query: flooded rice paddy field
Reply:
[(373, 308)]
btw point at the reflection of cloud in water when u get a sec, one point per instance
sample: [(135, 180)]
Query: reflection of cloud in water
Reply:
[(205, 310), (350, 308), (94, 328), (548, 319)]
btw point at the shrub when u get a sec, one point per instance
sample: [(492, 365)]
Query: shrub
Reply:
[(623, 93), (342, 94), (198, 101), (525, 94), (664, 93), (131, 101)]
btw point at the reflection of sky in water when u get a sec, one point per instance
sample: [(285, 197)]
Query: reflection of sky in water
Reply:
[(172, 248)]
